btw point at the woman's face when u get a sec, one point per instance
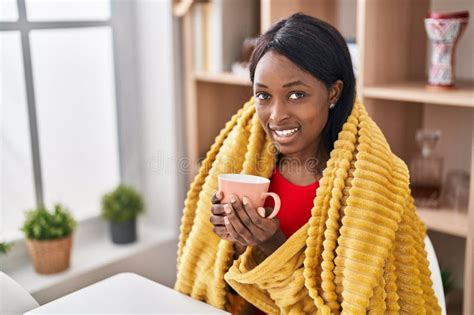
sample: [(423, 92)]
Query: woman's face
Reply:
[(292, 105)]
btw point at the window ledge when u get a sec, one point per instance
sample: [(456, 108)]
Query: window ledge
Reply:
[(92, 249)]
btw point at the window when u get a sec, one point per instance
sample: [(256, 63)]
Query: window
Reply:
[(68, 10), (8, 10), (17, 184), (58, 113)]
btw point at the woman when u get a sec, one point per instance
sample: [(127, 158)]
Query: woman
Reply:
[(354, 246), (302, 100)]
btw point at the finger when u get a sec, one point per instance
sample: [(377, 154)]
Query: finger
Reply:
[(218, 209), (252, 213), (216, 197), (217, 220), (234, 220), (222, 232), (241, 212), (229, 238), (233, 233)]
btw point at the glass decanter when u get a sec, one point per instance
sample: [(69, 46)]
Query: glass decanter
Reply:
[(426, 170)]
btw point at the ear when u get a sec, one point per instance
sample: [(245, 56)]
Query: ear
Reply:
[(335, 91)]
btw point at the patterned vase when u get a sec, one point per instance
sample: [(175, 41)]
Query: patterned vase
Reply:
[(444, 31)]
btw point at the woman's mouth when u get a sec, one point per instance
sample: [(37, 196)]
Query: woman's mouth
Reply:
[(285, 135)]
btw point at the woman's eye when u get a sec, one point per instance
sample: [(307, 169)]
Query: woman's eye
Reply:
[(296, 95), (262, 96)]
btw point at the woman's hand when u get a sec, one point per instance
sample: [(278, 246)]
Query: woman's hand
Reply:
[(247, 227), (217, 220), (217, 217)]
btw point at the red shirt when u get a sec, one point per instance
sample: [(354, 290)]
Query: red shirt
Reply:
[(296, 202)]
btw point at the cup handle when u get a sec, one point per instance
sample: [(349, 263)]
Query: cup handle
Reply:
[(277, 201)]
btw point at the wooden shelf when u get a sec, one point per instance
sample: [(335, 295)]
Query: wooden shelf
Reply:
[(445, 220), (223, 78), (462, 95)]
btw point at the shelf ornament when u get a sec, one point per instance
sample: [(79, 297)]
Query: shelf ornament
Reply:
[(444, 31)]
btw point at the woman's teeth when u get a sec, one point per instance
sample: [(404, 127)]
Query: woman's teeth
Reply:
[(286, 133)]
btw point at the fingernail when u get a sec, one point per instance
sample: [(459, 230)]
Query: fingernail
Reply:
[(232, 199), (227, 209), (261, 212), (219, 194), (245, 201), (226, 220)]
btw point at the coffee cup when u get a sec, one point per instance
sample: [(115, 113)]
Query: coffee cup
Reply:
[(255, 188)]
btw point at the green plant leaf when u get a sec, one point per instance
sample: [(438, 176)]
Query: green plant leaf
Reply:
[(122, 204), (447, 279), (40, 224), (5, 247)]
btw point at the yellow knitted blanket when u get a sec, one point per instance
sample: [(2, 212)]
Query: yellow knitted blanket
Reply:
[(362, 250)]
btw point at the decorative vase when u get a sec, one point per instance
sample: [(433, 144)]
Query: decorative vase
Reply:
[(444, 31), (50, 256), (123, 232)]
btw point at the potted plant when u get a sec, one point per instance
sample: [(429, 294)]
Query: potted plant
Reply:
[(49, 238), (5, 247), (121, 207)]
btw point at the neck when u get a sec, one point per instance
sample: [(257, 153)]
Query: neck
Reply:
[(304, 167)]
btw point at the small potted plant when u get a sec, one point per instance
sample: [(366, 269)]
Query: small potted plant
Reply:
[(49, 238), (5, 247), (121, 207)]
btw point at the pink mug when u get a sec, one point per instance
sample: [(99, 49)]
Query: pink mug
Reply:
[(255, 188)]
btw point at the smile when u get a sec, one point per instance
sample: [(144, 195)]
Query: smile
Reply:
[(286, 133)]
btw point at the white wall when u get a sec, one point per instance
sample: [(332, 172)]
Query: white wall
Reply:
[(161, 116)]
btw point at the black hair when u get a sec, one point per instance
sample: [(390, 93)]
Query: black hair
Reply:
[(318, 48)]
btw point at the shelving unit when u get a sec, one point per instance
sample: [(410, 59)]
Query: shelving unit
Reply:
[(417, 91), (222, 78), (391, 82), (445, 221)]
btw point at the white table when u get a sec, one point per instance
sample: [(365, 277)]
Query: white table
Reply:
[(126, 293)]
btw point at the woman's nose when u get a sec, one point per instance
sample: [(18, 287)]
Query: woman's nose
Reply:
[(279, 112)]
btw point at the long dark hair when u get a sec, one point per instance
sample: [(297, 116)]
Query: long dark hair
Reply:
[(318, 48)]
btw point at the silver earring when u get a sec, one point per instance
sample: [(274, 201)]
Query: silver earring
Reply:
[(332, 105)]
